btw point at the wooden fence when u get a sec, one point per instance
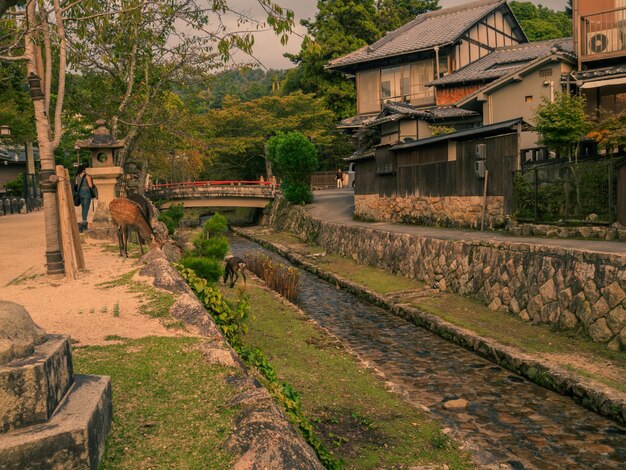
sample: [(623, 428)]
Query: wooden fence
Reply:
[(324, 179)]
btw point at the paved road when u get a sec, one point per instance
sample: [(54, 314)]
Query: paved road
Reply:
[(336, 205)]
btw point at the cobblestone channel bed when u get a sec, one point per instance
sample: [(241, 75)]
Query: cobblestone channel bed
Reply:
[(509, 420)]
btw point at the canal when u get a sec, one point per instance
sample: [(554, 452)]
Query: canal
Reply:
[(508, 420)]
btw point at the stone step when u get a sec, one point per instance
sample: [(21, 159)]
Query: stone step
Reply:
[(31, 388), (74, 436)]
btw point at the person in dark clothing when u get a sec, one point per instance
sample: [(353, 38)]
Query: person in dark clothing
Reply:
[(339, 178), (83, 186)]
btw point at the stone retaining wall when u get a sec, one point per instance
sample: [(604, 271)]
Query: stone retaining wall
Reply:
[(263, 437), (449, 211), (566, 288), (596, 232)]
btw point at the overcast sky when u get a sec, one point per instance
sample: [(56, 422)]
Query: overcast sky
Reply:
[(268, 48)]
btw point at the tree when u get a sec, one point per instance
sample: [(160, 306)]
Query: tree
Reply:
[(238, 132), (294, 159), (39, 37), (541, 23), (394, 13), (340, 27), (6, 4), (610, 131), (562, 123)]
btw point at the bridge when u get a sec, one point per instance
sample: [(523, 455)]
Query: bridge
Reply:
[(213, 194)]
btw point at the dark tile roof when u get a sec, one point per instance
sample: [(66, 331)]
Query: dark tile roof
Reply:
[(600, 73), (506, 60), (356, 156), (397, 111), (482, 131), (435, 28), (352, 122)]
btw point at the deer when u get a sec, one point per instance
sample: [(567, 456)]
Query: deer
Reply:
[(234, 266), (133, 212)]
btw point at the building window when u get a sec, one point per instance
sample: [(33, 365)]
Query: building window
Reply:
[(545, 73), (528, 98)]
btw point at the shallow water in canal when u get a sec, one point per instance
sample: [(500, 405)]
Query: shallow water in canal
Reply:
[(508, 419)]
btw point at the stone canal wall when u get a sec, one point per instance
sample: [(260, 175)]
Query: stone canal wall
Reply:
[(572, 290), (448, 211)]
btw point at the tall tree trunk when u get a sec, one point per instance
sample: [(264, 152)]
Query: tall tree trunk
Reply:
[(54, 259)]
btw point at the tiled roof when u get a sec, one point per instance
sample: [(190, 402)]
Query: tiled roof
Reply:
[(492, 129), (506, 60), (356, 156), (435, 28), (352, 122), (396, 111), (600, 73)]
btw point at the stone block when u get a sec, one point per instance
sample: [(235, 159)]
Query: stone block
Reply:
[(591, 290), (534, 306), (73, 438), (548, 291), (601, 308), (600, 331), (616, 319), (568, 320), (614, 294), (514, 306), (565, 297), (32, 387)]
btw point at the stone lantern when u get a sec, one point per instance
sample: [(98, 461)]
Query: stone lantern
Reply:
[(105, 174)]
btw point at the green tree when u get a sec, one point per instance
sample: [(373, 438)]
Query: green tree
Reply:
[(294, 158), (562, 123), (394, 13), (541, 23), (238, 132), (340, 27)]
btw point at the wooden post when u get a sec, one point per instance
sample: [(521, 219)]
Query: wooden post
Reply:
[(78, 248), (67, 249), (482, 219)]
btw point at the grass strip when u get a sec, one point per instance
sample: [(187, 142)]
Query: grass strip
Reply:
[(357, 418), (169, 405)]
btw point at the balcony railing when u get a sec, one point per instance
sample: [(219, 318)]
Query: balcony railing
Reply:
[(603, 35)]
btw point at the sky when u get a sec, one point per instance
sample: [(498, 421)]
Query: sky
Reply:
[(269, 51)]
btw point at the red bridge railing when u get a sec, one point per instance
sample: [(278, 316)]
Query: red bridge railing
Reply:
[(203, 184)]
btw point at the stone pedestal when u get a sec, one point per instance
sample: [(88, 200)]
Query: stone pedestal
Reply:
[(105, 178), (49, 417)]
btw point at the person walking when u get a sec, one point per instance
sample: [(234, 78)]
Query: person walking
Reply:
[(339, 178), (83, 187)]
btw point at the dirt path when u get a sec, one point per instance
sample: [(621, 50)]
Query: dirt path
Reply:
[(81, 309)]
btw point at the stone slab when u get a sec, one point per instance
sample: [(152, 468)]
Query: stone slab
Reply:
[(32, 387), (72, 439)]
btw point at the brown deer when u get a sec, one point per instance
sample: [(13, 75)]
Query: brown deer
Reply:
[(133, 213), (234, 266)]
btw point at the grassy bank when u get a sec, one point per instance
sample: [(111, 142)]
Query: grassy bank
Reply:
[(358, 419), (168, 404)]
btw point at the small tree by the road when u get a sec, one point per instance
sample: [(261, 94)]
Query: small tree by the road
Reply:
[(293, 159), (562, 123)]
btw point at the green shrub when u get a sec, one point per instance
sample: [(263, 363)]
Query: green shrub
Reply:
[(15, 187), (216, 225), (169, 222), (293, 159), (208, 269), (230, 319), (172, 217)]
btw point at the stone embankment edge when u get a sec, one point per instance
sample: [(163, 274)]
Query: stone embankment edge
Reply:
[(263, 436), (591, 395)]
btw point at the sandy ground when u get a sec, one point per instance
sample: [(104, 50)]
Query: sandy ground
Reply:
[(77, 308)]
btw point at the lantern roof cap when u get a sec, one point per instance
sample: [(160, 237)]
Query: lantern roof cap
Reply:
[(100, 138)]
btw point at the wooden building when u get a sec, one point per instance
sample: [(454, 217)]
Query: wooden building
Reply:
[(441, 180)]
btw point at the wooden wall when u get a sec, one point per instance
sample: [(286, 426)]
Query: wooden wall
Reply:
[(426, 171)]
